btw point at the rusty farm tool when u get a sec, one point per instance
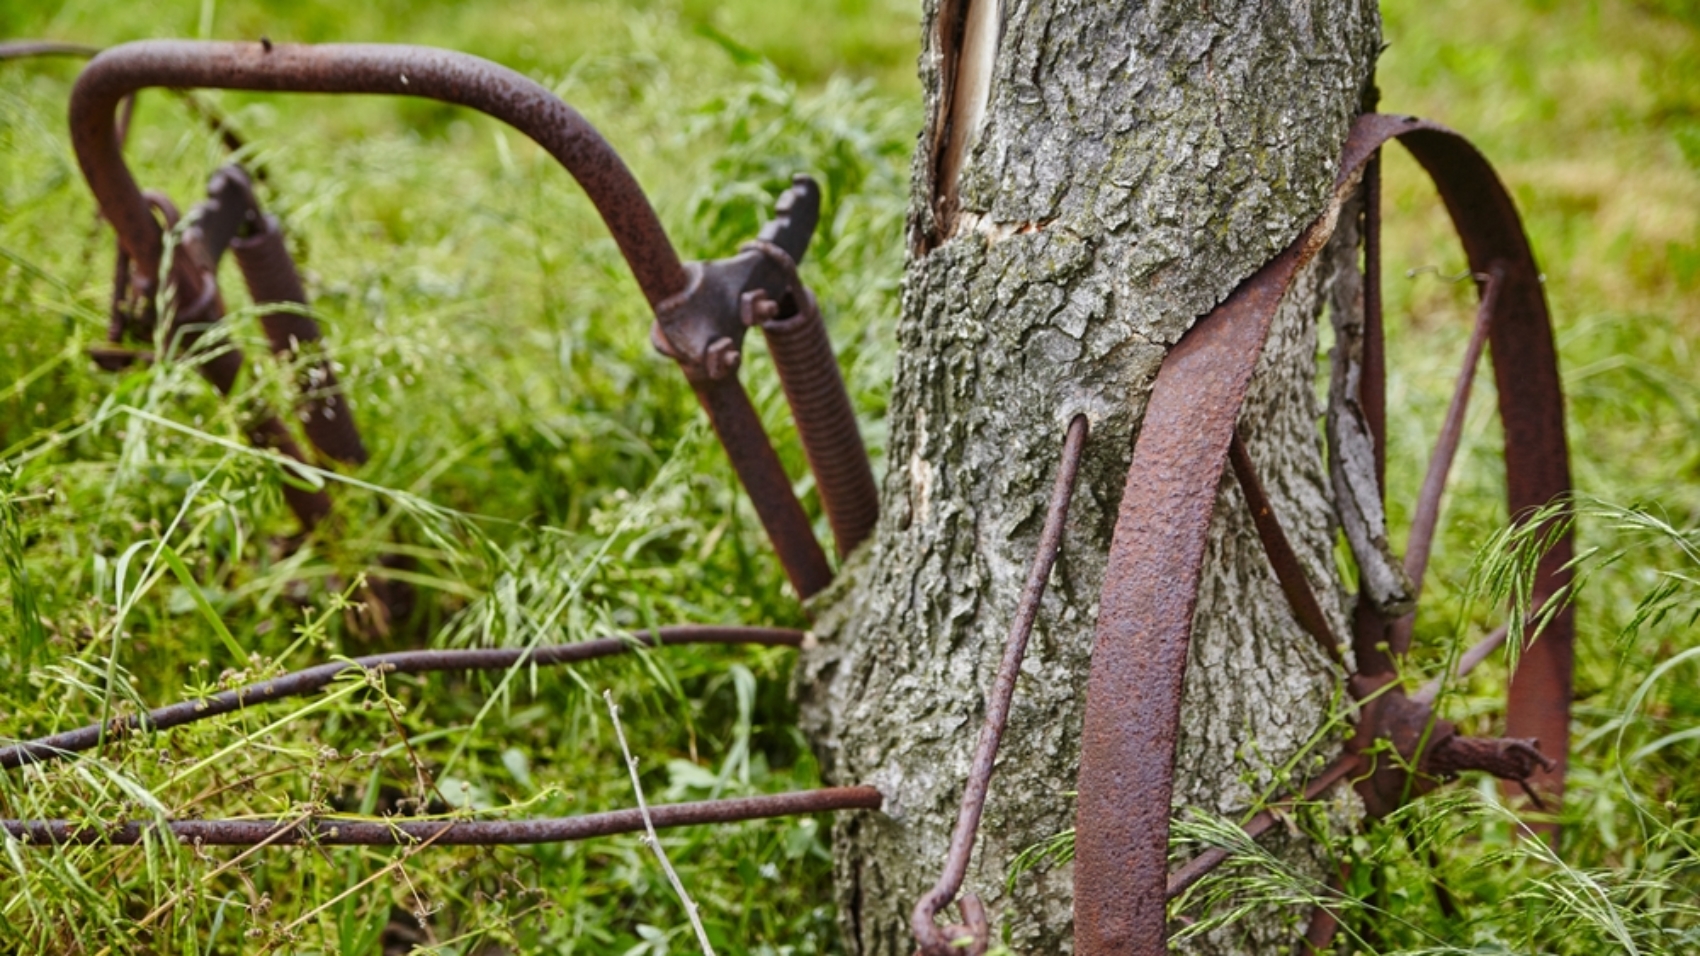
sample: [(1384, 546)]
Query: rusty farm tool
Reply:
[(1187, 440), (702, 309)]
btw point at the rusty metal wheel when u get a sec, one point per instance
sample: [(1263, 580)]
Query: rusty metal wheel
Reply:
[(1156, 559)]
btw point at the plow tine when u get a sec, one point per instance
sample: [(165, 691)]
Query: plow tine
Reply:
[(1151, 584), (764, 480), (23, 49), (272, 279), (359, 68), (1323, 925), (1369, 624), (814, 387), (1373, 395), (1139, 653), (1150, 591), (464, 80)]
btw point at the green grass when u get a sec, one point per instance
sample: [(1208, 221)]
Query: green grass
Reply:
[(547, 477)]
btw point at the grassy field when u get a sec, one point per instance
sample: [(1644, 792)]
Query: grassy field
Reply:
[(547, 478)]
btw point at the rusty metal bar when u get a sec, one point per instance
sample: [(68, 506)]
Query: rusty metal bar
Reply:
[(1373, 386), (763, 477), (942, 942), (1289, 570), (215, 120), (1531, 406), (400, 831), (703, 328), (1420, 542), (1369, 625), (358, 68), (1323, 925), (313, 679), (270, 274), (501, 93), (1139, 653)]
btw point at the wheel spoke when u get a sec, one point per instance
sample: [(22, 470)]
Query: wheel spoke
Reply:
[(1289, 571), (1427, 516)]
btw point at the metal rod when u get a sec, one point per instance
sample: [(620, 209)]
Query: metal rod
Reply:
[(271, 276), (1531, 408), (1289, 570), (313, 679), (933, 940), (764, 480), (1143, 634), (1324, 925), (1369, 625), (21, 49), (1372, 396), (358, 68), (320, 831), (1151, 583), (1427, 516)]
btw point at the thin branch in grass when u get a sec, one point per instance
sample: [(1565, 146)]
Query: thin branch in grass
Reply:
[(649, 828)]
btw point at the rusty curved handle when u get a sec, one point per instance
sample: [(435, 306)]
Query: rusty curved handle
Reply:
[(426, 72)]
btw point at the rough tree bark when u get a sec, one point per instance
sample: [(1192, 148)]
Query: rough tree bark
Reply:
[(1092, 179)]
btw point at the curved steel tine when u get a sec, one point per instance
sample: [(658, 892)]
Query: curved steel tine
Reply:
[(1139, 652), (360, 68), (820, 404), (467, 81), (24, 49), (1369, 624), (1531, 407)]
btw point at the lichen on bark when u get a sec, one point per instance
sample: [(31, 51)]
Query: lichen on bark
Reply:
[(1135, 163)]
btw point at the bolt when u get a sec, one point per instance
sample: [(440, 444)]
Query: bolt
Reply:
[(721, 359)]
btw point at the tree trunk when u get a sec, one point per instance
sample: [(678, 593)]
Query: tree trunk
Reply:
[(1093, 178)]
